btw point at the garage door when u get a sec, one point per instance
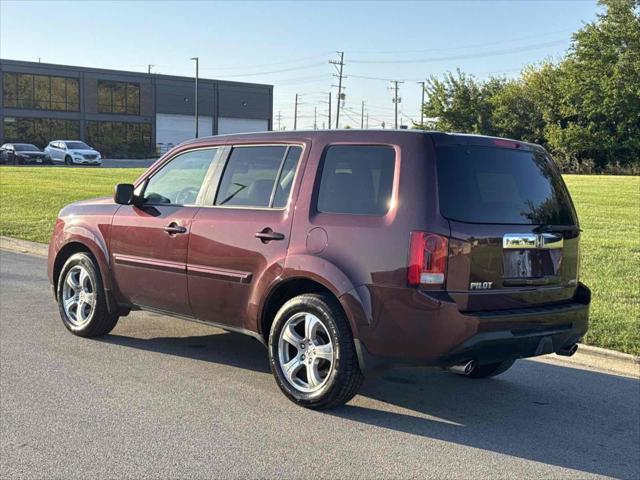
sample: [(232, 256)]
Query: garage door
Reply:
[(174, 129), (241, 125)]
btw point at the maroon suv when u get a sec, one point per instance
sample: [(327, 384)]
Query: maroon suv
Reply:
[(341, 251)]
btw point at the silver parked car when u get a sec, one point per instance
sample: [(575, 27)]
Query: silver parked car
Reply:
[(72, 152)]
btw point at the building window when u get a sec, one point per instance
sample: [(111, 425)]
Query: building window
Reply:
[(118, 97), (39, 131), (41, 92), (120, 139)]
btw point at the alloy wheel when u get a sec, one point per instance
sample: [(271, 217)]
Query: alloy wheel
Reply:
[(78, 296), (305, 352)]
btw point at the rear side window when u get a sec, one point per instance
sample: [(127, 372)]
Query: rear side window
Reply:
[(499, 185), (258, 176), (357, 180)]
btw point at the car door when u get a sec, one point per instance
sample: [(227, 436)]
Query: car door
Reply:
[(54, 151), (149, 242), (8, 153), (239, 243)]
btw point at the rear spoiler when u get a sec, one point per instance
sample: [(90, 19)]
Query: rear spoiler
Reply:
[(444, 139)]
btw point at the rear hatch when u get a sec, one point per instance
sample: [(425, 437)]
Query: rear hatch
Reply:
[(514, 231)]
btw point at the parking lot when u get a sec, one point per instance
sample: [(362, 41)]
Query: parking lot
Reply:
[(106, 163), (172, 399)]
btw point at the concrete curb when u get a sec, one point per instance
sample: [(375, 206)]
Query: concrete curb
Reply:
[(24, 246), (600, 359), (586, 356)]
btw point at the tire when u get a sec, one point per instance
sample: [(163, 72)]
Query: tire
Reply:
[(80, 284), (67, 160), (334, 382), (490, 369)]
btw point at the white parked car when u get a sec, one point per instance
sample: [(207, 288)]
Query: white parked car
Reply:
[(73, 152)]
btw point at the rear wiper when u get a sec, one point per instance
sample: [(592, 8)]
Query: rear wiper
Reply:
[(557, 228)]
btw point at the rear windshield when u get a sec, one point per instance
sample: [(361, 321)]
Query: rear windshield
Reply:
[(500, 185)]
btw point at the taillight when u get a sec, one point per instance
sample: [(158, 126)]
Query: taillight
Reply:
[(427, 259)]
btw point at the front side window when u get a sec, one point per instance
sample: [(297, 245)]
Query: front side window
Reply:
[(357, 180), (180, 180), (260, 176)]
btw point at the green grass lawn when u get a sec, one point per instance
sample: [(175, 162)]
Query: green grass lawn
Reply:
[(31, 197), (608, 206), (609, 212)]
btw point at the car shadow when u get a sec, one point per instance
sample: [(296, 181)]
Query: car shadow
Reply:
[(227, 348), (572, 418)]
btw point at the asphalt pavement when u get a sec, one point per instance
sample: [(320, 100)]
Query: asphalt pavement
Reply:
[(165, 398), (106, 163)]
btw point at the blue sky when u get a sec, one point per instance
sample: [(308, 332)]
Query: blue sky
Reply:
[(289, 44)]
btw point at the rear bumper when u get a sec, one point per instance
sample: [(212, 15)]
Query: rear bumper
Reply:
[(489, 337)]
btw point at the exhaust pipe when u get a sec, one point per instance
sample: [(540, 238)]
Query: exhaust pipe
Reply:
[(464, 368), (568, 351)]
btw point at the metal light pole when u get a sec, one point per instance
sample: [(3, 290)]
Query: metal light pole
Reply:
[(422, 106), (197, 60)]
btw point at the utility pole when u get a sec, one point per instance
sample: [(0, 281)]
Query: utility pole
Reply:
[(329, 113), (279, 117), (396, 99), (367, 120), (315, 118), (149, 68), (338, 66), (362, 116), (422, 106), (295, 114), (197, 60)]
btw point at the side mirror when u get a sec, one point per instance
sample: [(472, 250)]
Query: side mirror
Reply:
[(124, 194)]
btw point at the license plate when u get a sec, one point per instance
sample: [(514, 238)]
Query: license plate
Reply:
[(528, 263)]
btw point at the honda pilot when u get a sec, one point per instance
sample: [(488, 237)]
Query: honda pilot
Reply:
[(343, 252)]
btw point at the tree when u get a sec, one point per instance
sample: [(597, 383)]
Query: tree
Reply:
[(600, 89), (457, 103), (585, 108)]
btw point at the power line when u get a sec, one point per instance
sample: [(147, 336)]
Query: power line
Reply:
[(463, 47), (467, 56), (271, 64), (304, 67)]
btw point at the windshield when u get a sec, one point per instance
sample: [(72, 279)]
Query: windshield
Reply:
[(77, 146), (499, 185), (25, 147)]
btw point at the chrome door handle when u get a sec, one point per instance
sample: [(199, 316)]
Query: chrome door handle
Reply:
[(174, 229), (267, 235)]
